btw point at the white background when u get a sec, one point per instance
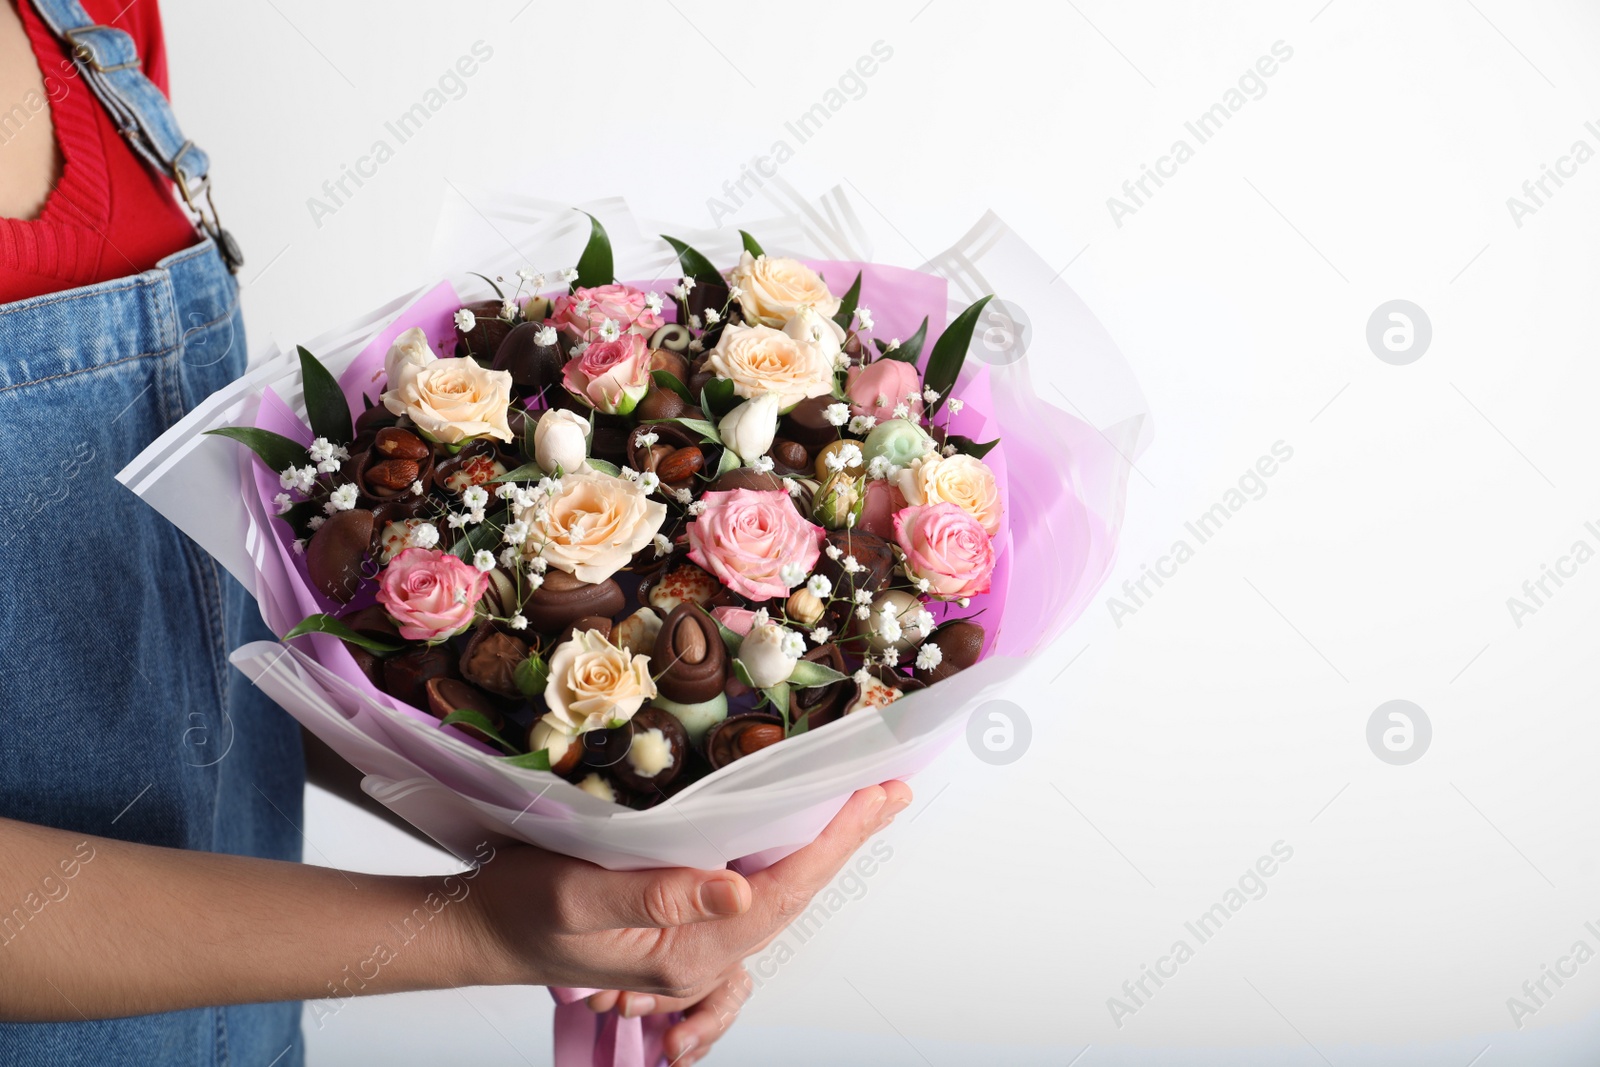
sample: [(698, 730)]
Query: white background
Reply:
[(1229, 712)]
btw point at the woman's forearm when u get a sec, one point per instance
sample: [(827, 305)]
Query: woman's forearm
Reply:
[(94, 928)]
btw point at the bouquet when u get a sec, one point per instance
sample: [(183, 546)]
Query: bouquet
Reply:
[(649, 572)]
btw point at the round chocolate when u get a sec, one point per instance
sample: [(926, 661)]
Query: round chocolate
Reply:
[(601, 623), (490, 661), (605, 748), (697, 719), (336, 552), (486, 334), (806, 423), (644, 745), (571, 757), (741, 735), (670, 360), (406, 674), (747, 478), (960, 644), (690, 661), (673, 337), (532, 366), (659, 403), (563, 598)]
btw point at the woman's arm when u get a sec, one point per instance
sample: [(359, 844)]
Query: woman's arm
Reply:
[(95, 928)]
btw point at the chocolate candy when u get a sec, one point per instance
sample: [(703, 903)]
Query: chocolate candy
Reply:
[(448, 695), (683, 584), (659, 403), (490, 661), (406, 674), (690, 661), (697, 719), (670, 360), (486, 334), (658, 752), (806, 423), (735, 738), (563, 598), (588, 622), (374, 419), (822, 704), (790, 457), (672, 337), (372, 621), (533, 367), (478, 463), (960, 643), (336, 551), (871, 551), (747, 478), (605, 748), (873, 693)]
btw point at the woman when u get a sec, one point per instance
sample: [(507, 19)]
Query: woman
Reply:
[(151, 909)]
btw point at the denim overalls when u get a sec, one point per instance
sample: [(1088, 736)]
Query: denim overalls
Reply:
[(119, 714)]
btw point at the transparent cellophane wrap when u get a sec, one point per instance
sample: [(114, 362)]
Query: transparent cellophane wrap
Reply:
[(1064, 483)]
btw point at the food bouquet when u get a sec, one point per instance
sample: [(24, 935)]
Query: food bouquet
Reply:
[(656, 572)]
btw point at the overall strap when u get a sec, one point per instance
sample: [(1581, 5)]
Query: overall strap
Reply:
[(110, 64)]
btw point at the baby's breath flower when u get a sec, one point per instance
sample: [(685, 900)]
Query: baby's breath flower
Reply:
[(929, 656), (483, 559), (836, 414), (466, 320)]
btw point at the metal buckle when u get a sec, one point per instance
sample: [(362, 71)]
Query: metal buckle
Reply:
[(86, 54), (210, 222)]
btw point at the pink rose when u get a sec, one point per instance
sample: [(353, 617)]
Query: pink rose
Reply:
[(610, 376), (945, 545), (881, 385), (585, 310), (745, 538), (739, 620), (430, 594)]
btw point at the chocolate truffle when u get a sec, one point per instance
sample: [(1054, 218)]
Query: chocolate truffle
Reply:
[(690, 661), (563, 598), (490, 661), (960, 643), (658, 752), (336, 551), (741, 735)]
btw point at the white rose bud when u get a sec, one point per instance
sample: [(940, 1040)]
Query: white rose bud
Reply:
[(749, 428), (804, 606), (763, 656), (561, 439)]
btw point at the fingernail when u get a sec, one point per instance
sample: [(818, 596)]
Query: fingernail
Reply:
[(637, 1006), (719, 897), (687, 1046), (875, 805)]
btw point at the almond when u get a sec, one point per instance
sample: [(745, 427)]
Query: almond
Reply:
[(393, 473), (681, 465), (757, 736), (396, 443)]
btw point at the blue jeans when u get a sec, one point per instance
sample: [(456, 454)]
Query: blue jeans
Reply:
[(119, 714)]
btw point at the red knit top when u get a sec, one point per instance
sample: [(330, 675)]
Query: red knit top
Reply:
[(109, 216)]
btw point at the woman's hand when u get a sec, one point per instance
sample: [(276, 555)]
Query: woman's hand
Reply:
[(676, 935), (707, 1016)]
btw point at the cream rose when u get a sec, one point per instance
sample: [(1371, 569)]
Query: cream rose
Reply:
[(591, 524), (450, 400), (594, 684), (965, 481), (774, 288), (761, 360)]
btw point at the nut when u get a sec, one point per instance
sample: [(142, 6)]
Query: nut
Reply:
[(681, 465), (805, 606), (790, 454), (657, 454), (689, 644), (757, 736), (393, 473), (396, 443)]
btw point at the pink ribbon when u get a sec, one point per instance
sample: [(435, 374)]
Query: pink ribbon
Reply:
[(584, 1038)]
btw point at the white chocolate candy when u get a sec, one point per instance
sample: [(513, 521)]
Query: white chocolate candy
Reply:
[(650, 753)]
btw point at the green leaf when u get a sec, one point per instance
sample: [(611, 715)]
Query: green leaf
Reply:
[(478, 721), (484, 535), (799, 726), (530, 761), (717, 397), (669, 381), (968, 447), (594, 266), (276, 451), (699, 426), (327, 624), (741, 673), (605, 468), (326, 408), (299, 517), (694, 264), (847, 306), (779, 695), (751, 245), (492, 285), (950, 352), (528, 472), (911, 348), (532, 675), (731, 640), (727, 462), (809, 675)]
